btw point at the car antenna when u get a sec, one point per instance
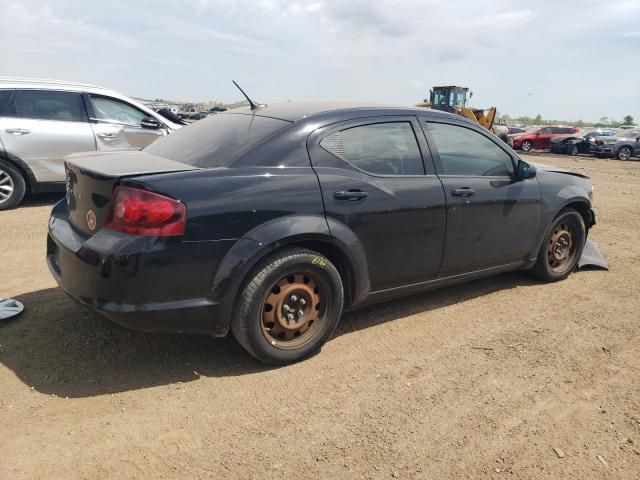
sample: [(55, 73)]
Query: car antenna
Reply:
[(254, 106)]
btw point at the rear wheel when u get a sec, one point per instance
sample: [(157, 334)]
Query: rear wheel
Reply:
[(561, 248), (572, 149), (289, 307), (12, 186), (624, 153), (526, 146)]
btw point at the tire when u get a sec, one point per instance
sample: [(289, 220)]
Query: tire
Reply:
[(294, 280), (624, 153), (553, 264), (526, 146), (12, 186), (572, 150)]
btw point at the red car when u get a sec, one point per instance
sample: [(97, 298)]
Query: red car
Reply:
[(540, 138)]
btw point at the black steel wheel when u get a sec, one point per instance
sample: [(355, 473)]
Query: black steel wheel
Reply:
[(561, 248)]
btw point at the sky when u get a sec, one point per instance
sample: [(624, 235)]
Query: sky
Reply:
[(563, 59)]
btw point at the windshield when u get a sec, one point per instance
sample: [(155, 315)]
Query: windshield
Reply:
[(216, 141), (440, 97), (458, 98)]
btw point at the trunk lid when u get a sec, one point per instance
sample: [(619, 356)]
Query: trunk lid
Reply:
[(91, 178)]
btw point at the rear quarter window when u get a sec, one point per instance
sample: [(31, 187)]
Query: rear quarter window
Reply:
[(216, 141)]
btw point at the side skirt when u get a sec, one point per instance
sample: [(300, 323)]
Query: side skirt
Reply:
[(396, 292)]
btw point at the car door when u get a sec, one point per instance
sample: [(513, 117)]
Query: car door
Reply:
[(543, 139), (117, 125), (41, 127), (492, 219), (374, 182)]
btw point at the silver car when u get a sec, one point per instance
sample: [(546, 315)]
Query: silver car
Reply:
[(623, 145), (42, 121)]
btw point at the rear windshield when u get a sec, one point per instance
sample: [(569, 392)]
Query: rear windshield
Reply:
[(216, 141)]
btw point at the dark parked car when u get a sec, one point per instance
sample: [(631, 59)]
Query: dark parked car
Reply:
[(272, 221), (576, 145), (540, 138), (515, 130), (623, 145)]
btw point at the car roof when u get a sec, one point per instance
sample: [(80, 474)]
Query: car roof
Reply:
[(294, 111), (49, 84)]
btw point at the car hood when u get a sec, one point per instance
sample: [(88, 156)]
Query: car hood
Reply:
[(552, 169)]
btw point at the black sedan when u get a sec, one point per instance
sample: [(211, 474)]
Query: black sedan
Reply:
[(573, 145), (271, 220)]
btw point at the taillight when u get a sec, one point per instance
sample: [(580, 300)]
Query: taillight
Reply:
[(141, 212)]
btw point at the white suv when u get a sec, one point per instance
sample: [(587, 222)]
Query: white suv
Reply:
[(42, 121)]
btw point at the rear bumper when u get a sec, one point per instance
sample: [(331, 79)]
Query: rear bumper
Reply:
[(147, 284)]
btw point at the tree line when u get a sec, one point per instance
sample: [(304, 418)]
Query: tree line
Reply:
[(538, 120)]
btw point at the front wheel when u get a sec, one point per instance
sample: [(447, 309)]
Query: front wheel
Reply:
[(561, 248), (526, 146), (289, 307), (624, 153)]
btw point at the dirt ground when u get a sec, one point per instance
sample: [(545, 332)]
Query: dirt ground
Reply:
[(481, 380)]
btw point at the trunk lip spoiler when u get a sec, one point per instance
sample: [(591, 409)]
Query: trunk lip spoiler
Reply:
[(124, 163)]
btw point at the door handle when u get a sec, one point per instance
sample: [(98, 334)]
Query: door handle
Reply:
[(463, 192), (17, 131), (350, 195), (108, 136)]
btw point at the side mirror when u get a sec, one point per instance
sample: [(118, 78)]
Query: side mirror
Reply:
[(150, 123), (525, 170)]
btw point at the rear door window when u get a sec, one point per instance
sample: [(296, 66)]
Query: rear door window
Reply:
[(216, 141), (46, 105), (380, 148), (465, 152)]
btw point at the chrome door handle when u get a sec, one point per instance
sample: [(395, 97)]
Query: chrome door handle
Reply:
[(109, 136), (17, 131)]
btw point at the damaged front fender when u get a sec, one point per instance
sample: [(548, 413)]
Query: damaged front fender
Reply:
[(592, 257)]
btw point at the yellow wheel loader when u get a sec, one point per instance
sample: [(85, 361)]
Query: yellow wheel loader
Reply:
[(453, 99)]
